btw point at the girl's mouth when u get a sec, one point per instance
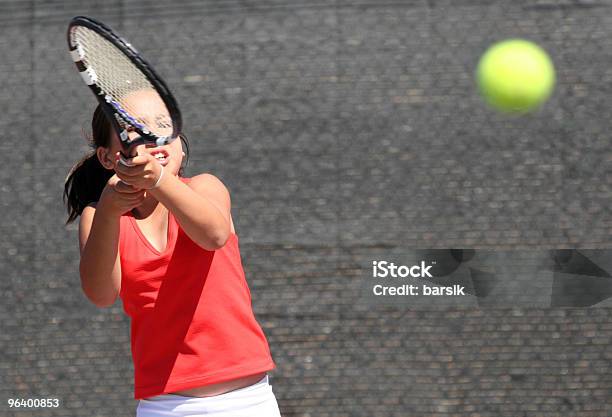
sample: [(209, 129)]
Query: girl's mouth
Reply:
[(161, 156)]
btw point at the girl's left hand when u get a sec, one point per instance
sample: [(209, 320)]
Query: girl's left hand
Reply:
[(143, 171)]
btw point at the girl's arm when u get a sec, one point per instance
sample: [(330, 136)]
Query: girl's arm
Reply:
[(100, 269), (202, 208)]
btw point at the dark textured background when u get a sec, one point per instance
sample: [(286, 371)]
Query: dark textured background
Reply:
[(345, 131)]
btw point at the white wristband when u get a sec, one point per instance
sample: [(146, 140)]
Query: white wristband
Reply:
[(161, 174)]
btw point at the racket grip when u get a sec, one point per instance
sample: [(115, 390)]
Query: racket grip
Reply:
[(124, 161)]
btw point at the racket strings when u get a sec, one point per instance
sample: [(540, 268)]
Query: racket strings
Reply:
[(125, 87)]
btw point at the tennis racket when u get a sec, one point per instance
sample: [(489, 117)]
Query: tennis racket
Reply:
[(132, 95)]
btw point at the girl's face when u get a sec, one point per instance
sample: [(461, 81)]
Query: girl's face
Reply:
[(150, 108)]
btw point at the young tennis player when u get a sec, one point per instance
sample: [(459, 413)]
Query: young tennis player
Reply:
[(166, 245)]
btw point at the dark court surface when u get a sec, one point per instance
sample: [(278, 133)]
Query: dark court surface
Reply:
[(347, 132)]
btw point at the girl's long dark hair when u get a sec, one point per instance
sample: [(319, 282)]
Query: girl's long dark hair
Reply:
[(87, 178)]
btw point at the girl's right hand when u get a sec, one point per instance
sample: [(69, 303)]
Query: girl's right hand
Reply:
[(118, 197)]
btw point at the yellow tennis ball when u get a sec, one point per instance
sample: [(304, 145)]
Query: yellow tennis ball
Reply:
[(515, 76)]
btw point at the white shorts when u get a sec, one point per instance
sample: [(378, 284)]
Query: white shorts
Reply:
[(256, 400)]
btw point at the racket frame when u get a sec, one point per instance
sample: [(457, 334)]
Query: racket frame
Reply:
[(117, 116)]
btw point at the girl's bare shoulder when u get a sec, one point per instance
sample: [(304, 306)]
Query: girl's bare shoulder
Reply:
[(210, 186), (207, 181)]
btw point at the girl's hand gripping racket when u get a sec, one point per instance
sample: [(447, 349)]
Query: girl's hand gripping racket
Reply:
[(132, 95)]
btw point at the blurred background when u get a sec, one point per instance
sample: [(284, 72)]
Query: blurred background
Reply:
[(346, 131)]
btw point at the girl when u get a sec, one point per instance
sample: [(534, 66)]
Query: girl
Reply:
[(166, 245)]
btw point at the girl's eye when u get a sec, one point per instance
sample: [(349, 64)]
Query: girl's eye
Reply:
[(163, 122)]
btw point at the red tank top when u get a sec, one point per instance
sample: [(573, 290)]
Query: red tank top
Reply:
[(192, 323)]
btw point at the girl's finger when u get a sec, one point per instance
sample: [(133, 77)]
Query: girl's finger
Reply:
[(126, 162), (129, 171), (132, 197), (134, 161), (125, 188), (120, 159), (130, 180)]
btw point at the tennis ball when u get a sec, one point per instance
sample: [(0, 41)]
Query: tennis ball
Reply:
[(515, 76)]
